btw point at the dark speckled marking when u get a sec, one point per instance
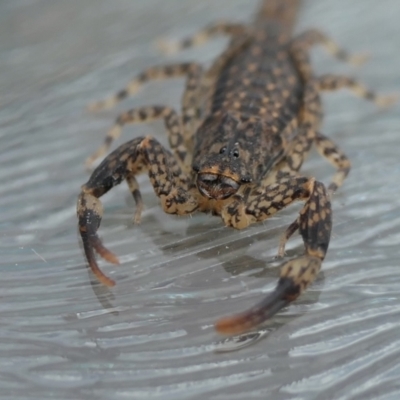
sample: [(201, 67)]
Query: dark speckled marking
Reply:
[(246, 126)]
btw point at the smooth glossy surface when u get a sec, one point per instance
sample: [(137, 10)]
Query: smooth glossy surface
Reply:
[(64, 336)]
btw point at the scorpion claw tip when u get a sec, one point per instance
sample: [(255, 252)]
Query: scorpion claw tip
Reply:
[(233, 325), (111, 257)]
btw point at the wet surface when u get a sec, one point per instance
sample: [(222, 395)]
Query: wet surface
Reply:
[(64, 336)]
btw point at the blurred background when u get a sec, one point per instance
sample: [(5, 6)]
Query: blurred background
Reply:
[(63, 336)]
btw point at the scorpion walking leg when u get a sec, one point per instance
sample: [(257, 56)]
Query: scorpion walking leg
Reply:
[(291, 229), (299, 150), (328, 149), (302, 44), (330, 82), (137, 197), (313, 37), (325, 146), (145, 114), (314, 224), (292, 163), (159, 72), (166, 176), (202, 36), (190, 111)]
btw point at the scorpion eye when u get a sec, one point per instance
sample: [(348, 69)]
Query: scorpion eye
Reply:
[(196, 168), (222, 150), (235, 153)]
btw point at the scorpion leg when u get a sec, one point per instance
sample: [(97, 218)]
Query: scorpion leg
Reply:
[(328, 149), (168, 180), (145, 114), (314, 224), (159, 72), (330, 82), (137, 197), (202, 36), (291, 229), (325, 146), (190, 113), (299, 150), (302, 44), (313, 37)]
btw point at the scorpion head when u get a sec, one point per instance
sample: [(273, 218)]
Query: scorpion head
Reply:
[(220, 175), (221, 158)]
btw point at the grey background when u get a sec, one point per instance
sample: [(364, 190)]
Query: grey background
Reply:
[(63, 336)]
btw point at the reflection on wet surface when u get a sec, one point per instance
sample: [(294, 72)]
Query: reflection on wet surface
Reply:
[(62, 335)]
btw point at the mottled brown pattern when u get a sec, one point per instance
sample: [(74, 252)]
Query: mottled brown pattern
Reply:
[(246, 126)]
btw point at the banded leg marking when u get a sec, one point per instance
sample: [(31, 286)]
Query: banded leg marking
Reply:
[(313, 37), (159, 72), (328, 149), (145, 114), (330, 82), (137, 197)]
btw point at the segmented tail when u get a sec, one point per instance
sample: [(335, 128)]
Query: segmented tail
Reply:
[(281, 11)]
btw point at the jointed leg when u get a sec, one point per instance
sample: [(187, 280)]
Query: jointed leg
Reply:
[(302, 44), (314, 224), (330, 82), (203, 36), (153, 73), (300, 149), (137, 197), (313, 37), (311, 117), (145, 114), (328, 149), (291, 229), (325, 146), (180, 136), (169, 183)]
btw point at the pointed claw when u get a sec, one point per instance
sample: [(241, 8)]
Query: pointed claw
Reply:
[(88, 245), (103, 251), (90, 212), (275, 301)]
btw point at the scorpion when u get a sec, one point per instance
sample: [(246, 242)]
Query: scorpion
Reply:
[(246, 126)]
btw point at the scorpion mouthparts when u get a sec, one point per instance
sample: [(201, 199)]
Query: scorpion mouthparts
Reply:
[(216, 186)]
